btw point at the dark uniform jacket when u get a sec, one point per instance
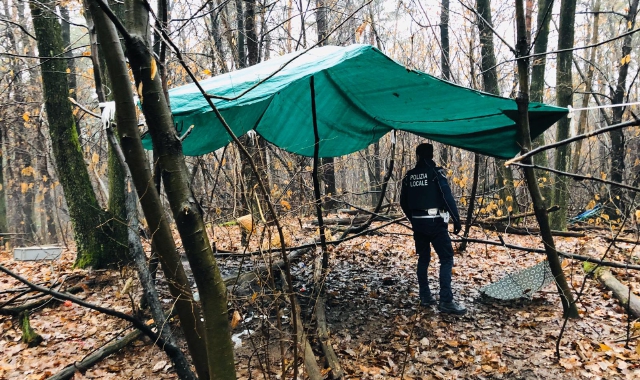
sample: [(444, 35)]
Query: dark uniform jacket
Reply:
[(425, 187)]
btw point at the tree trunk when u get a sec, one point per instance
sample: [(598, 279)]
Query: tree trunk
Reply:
[(538, 66), (92, 226), (524, 136), (629, 301), (472, 201), (252, 36), (179, 361), (242, 56), (564, 95), (490, 84), (327, 169), (220, 57), (162, 238), (186, 211), (444, 64), (617, 136), (48, 211), (588, 81), (3, 199)]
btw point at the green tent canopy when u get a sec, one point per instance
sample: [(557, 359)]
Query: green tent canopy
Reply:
[(361, 94)]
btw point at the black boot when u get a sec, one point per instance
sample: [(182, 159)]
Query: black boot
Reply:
[(451, 308), (427, 300)]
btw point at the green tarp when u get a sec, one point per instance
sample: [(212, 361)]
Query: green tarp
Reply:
[(361, 94)]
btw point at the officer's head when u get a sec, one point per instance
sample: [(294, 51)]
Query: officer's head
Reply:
[(424, 151)]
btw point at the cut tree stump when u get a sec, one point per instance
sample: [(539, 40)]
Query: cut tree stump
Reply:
[(620, 291), (29, 336)]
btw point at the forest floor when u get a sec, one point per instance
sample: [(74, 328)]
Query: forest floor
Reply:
[(377, 328)]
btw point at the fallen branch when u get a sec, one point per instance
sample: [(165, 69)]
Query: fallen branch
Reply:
[(342, 221), (525, 231), (97, 356), (623, 240), (256, 273), (516, 216), (16, 310), (620, 291), (159, 341), (611, 264)]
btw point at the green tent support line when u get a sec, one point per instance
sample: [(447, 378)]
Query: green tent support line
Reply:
[(361, 95)]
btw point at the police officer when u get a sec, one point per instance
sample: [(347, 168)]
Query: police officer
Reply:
[(427, 202)]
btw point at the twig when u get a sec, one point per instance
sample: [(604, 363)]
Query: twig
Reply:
[(611, 264), (72, 100), (67, 297), (578, 177), (535, 151)]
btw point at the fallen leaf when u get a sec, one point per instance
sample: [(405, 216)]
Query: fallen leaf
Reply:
[(159, 365)]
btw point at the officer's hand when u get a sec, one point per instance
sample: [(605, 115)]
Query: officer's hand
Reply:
[(457, 227)]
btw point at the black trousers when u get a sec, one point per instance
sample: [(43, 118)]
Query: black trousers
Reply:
[(427, 232)]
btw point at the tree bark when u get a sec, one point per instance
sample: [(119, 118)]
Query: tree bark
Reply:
[(538, 66), (444, 64), (617, 137), (564, 96), (472, 201), (242, 56), (588, 81), (180, 363), (490, 85), (186, 211), (162, 238), (92, 226), (251, 34), (524, 136), (620, 291), (3, 201)]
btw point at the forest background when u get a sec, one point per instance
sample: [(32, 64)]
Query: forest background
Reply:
[(582, 55)]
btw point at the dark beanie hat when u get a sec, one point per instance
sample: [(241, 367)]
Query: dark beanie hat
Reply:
[(424, 151)]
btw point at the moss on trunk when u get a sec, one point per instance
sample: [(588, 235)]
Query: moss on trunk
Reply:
[(92, 226), (29, 336)]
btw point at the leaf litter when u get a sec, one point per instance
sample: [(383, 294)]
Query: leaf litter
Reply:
[(377, 328)]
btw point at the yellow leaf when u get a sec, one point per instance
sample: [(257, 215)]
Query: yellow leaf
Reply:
[(45, 178), (285, 204), (605, 216), (206, 72), (235, 319), (604, 347), (25, 116), (626, 59), (509, 208), (254, 296), (68, 70), (95, 158), (140, 91), (28, 171), (154, 68), (637, 214)]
